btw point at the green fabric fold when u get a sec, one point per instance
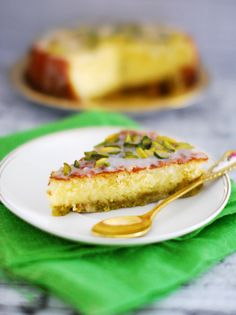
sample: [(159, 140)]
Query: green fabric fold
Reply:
[(108, 280)]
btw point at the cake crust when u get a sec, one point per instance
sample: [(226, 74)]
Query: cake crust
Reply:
[(48, 73)]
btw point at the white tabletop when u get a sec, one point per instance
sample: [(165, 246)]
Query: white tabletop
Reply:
[(210, 123)]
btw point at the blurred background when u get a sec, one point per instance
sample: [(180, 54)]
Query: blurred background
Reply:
[(211, 22), (209, 123)]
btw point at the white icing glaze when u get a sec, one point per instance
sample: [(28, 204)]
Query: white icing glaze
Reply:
[(118, 162)]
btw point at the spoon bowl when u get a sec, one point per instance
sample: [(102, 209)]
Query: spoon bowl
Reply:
[(125, 226)]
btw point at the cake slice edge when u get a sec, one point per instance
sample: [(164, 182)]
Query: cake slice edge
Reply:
[(107, 191)]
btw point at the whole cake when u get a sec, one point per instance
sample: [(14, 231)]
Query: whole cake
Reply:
[(105, 61), (127, 169)]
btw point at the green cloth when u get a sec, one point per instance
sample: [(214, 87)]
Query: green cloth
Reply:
[(108, 280)]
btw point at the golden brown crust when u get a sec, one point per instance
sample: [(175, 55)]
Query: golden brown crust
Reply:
[(48, 73)]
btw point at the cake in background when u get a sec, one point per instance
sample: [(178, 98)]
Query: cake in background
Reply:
[(107, 61)]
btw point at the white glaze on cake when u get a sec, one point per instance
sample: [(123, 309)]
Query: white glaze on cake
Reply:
[(118, 163)]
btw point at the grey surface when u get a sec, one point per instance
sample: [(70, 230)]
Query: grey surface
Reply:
[(209, 123)]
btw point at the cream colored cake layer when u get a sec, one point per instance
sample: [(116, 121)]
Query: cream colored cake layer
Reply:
[(117, 65), (103, 60), (120, 186)]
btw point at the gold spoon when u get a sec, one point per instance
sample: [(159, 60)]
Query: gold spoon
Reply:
[(139, 225)]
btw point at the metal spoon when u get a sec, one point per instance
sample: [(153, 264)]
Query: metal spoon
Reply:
[(139, 225)]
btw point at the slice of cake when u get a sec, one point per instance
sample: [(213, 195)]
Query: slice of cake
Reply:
[(129, 168), (102, 61)]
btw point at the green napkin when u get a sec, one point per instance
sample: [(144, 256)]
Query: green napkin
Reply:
[(108, 280)]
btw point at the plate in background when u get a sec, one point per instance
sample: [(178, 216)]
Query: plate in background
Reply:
[(24, 177), (127, 104)]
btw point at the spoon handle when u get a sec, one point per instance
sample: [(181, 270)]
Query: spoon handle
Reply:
[(224, 157), (210, 175)]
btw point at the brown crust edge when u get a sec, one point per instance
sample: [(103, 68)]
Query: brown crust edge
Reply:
[(48, 73)]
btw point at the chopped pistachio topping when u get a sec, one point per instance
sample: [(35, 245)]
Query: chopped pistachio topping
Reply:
[(112, 138), (135, 138), (161, 154), (129, 145), (110, 149), (76, 164), (130, 155), (66, 169), (102, 162), (92, 39), (149, 152), (100, 144), (94, 155), (146, 142), (128, 138), (131, 141), (184, 145), (112, 145), (141, 153), (168, 145), (157, 145), (163, 138)]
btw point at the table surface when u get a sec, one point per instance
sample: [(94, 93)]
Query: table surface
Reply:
[(210, 123)]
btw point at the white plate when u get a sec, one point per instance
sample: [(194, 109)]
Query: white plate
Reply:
[(23, 183)]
